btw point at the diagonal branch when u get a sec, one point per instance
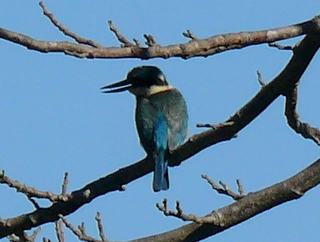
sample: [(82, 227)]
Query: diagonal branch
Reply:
[(120, 37), (305, 129), (249, 206), (286, 80)]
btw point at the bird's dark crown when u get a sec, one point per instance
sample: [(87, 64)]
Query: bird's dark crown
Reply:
[(146, 76)]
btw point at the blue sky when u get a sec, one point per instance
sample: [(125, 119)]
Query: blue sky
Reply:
[(54, 118)]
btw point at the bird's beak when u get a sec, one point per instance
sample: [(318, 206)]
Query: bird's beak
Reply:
[(125, 85)]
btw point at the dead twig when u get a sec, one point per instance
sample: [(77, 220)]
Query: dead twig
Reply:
[(65, 30), (178, 213), (31, 192), (224, 189), (293, 119), (190, 35), (260, 79), (121, 38), (100, 227), (281, 47)]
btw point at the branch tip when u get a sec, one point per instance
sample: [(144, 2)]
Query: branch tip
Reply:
[(293, 119), (224, 189), (123, 40), (260, 79), (190, 35), (65, 30), (281, 47)]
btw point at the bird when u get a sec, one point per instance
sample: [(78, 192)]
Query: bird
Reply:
[(161, 116)]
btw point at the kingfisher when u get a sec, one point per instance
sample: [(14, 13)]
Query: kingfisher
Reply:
[(161, 116)]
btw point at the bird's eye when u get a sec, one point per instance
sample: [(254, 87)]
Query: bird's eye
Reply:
[(162, 78)]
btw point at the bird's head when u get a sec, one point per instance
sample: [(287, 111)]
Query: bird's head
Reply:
[(141, 81)]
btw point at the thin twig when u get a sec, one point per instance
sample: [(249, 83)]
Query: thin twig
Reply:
[(100, 227), (305, 129), (30, 191), (80, 232), (260, 79), (178, 213), (121, 38), (281, 47), (59, 231), (34, 202), (240, 188), (65, 184), (215, 126), (65, 30), (150, 40), (190, 35), (224, 189), (137, 42)]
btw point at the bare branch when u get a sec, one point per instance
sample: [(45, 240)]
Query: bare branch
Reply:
[(225, 189), (260, 80), (281, 47), (59, 230), (178, 213), (22, 236), (121, 38), (195, 47), (137, 42), (249, 206), (150, 40), (30, 191), (100, 227), (34, 203), (80, 232), (70, 226), (65, 184), (240, 188), (305, 129), (66, 31), (190, 35), (215, 126)]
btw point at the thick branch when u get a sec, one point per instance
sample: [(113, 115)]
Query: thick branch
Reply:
[(195, 47), (249, 206)]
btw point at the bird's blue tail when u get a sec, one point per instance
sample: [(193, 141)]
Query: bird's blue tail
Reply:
[(160, 178), (161, 175)]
